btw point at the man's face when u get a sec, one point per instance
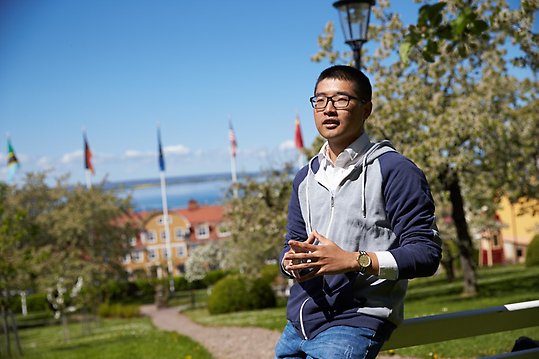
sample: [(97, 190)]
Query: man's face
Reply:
[(340, 127)]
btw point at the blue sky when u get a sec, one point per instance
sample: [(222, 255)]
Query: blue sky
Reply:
[(117, 68)]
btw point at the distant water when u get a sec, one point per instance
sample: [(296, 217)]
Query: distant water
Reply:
[(179, 194)]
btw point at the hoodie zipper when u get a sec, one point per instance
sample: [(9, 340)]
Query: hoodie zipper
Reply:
[(332, 206)]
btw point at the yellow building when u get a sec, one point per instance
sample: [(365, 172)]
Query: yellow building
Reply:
[(188, 228), (149, 249), (518, 229)]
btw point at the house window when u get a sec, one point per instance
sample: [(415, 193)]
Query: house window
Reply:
[(203, 231), (165, 253), (161, 220), (127, 259), (223, 230), (137, 257), (133, 241), (143, 237), (180, 251), (152, 254), (150, 236), (181, 233), (163, 236)]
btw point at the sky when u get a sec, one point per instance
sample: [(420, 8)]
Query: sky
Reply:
[(118, 69)]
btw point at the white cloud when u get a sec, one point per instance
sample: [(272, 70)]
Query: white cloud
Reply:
[(287, 145), (71, 157), (45, 163), (138, 154), (177, 150)]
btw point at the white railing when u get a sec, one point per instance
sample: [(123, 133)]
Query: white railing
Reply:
[(469, 323)]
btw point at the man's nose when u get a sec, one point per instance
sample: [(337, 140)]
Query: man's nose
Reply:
[(330, 106)]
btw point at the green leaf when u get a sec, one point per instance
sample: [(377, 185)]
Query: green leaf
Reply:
[(434, 13), (432, 47), (404, 51), (427, 56), (444, 32), (478, 27), (423, 15), (459, 24)]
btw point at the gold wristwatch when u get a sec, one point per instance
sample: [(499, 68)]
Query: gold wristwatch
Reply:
[(364, 261)]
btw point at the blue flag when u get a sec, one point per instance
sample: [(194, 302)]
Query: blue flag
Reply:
[(12, 162), (160, 150)]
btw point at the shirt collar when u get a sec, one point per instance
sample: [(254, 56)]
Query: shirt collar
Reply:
[(349, 156)]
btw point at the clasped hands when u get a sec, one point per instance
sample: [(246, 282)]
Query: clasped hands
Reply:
[(306, 260)]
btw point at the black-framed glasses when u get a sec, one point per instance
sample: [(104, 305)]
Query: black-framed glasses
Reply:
[(338, 101)]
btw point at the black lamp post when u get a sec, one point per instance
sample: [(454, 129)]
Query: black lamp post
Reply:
[(355, 16)]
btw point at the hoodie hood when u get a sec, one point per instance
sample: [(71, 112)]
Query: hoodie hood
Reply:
[(374, 150)]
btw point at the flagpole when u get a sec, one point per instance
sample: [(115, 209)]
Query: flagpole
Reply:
[(234, 176), (88, 179), (233, 144), (167, 231), (166, 223)]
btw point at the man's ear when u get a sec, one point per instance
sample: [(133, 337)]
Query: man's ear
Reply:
[(367, 110)]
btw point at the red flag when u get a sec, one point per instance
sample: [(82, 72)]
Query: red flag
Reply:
[(233, 143), (88, 156), (298, 137)]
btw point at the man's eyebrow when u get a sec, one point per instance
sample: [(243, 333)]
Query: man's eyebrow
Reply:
[(336, 93)]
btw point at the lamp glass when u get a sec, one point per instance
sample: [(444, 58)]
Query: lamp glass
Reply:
[(354, 17)]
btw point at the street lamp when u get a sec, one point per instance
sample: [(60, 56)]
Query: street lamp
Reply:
[(354, 16)]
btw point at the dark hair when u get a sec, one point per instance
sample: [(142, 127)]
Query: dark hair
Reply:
[(348, 73)]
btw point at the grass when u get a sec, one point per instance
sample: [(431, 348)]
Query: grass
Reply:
[(111, 338), (428, 296)]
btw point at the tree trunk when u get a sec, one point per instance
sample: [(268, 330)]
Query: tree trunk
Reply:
[(6, 330), (448, 262), (464, 240)]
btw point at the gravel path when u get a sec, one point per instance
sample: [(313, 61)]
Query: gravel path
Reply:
[(222, 342)]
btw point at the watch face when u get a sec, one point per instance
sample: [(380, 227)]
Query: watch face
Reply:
[(364, 260)]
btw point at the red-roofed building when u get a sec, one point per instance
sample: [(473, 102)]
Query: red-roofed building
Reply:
[(188, 228)]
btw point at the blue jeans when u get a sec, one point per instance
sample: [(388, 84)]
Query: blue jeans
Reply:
[(337, 342)]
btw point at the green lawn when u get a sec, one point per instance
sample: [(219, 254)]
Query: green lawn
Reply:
[(427, 296), (111, 338)]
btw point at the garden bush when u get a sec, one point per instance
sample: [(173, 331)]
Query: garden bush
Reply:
[(532, 254), (228, 295), (236, 293), (269, 272), (118, 311), (214, 276), (34, 303), (260, 294)]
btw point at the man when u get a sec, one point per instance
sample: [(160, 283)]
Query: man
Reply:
[(360, 224)]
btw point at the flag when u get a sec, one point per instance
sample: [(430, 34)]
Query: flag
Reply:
[(298, 137), (88, 156), (160, 151), (233, 142), (12, 162)]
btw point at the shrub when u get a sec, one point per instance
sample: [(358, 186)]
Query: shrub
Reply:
[(228, 295), (260, 294), (532, 254), (236, 293), (34, 303), (214, 276), (118, 311), (269, 272)]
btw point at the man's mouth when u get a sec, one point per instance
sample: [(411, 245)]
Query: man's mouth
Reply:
[(330, 123)]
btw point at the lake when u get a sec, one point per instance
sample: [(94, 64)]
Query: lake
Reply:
[(148, 198)]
